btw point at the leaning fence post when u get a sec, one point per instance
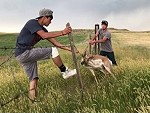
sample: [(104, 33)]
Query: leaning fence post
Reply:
[(75, 61)]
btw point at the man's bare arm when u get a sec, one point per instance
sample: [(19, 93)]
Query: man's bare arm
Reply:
[(47, 35), (59, 45), (92, 41), (101, 40)]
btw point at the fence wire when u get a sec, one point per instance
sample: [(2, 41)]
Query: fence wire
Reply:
[(9, 60)]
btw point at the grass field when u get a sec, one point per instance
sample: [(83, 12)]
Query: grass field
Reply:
[(128, 93)]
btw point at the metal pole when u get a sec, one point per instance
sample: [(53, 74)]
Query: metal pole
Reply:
[(96, 29), (75, 61)]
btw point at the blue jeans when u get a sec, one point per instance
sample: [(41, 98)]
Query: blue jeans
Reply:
[(109, 55)]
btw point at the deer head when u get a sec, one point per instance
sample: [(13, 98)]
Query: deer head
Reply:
[(85, 58)]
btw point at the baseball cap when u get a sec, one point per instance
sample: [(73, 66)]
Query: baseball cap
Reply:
[(104, 22), (45, 12)]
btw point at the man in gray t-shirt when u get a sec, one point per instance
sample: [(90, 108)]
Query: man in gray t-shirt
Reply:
[(105, 41), (106, 45)]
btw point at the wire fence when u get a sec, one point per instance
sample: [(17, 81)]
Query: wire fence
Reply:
[(6, 48), (11, 54), (9, 60), (22, 91)]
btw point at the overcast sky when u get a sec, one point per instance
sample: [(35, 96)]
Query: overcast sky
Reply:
[(124, 14)]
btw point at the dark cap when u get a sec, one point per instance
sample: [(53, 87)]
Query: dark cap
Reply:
[(104, 22)]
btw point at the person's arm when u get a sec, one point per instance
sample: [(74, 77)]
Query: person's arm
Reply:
[(101, 40), (59, 45), (48, 35), (106, 37), (98, 41), (91, 42)]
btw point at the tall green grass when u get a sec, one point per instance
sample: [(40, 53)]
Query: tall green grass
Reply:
[(128, 93)]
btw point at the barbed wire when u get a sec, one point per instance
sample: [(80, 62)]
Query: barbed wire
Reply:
[(9, 58), (22, 92), (15, 81), (27, 47), (13, 48), (15, 97)]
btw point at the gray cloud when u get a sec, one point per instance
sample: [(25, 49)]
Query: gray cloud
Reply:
[(101, 7), (130, 14)]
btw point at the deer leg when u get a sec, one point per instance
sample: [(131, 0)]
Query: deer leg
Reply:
[(103, 71), (108, 70), (92, 71)]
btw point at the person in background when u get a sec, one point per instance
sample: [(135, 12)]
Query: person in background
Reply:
[(105, 40)]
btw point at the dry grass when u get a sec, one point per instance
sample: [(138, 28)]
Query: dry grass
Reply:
[(126, 94), (133, 39)]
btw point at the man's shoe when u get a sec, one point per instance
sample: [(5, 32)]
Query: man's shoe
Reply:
[(68, 73)]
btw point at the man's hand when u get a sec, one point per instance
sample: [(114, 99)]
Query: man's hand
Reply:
[(67, 30), (91, 42)]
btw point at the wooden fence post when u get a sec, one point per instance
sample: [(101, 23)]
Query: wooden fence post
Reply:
[(75, 61), (97, 46), (90, 48)]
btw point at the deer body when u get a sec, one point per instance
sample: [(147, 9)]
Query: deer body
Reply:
[(93, 62)]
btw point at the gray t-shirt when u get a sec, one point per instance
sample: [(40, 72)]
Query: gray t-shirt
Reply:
[(28, 36), (107, 45)]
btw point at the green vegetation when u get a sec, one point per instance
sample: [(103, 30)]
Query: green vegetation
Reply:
[(128, 93)]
